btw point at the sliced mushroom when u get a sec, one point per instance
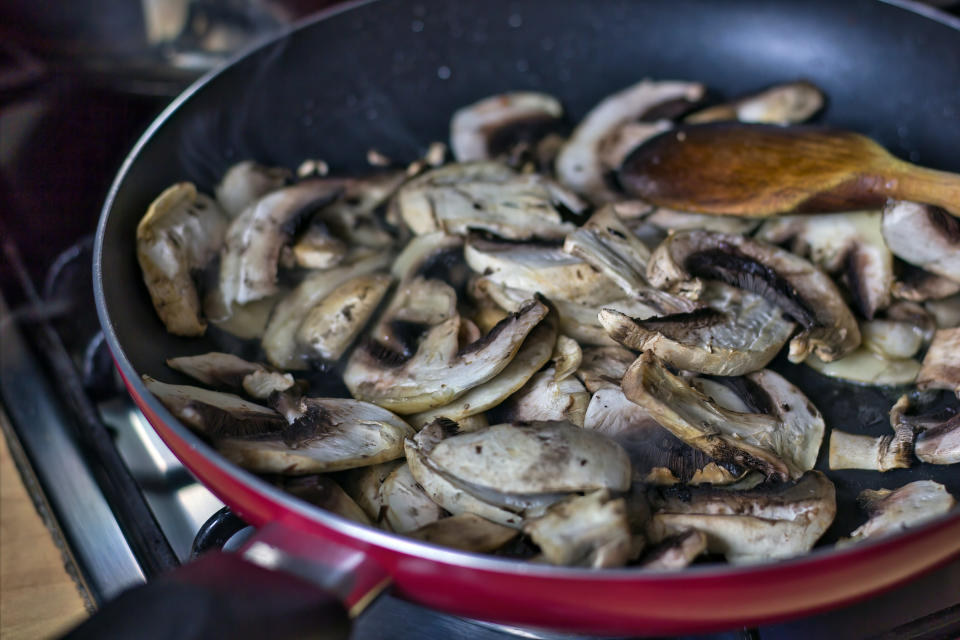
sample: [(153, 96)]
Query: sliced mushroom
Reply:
[(892, 339), (422, 251), (317, 248), (603, 367), (180, 233), (325, 493), (405, 505), (672, 220), (848, 244), (438, 371), (352, 217), (605, 243), (466, 532), (676, 551), (941, 365), (544, 398), (494, 126), (215, 414), (251, 252), (917, 285), (738, 333), (938, 441), (323, 435), (227, 371), (547, 270), (892, 511), (567, 356), (363, 484), (245, 321), (801, 290), (246, 182), (618, 144), (484, 195), (579, 166), (331, 326), (923, 235), (533, 354), (781, 444), (863, 366), (883, 453), (769, 522), (280, 337), (789, 103), (587, 531), (946, 312)]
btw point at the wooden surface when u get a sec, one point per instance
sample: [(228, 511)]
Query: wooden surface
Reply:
[(38, 599)]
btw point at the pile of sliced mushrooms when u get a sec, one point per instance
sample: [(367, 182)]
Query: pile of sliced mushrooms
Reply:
[(540, 365)]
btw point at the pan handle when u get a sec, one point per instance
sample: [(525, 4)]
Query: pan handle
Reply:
[(280, 584)]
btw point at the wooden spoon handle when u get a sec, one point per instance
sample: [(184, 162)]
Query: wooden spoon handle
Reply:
[(918, 184)]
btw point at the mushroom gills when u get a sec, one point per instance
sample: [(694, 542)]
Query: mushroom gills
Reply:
[(180, 233), (497, 125), (769, 522), (892, 511)]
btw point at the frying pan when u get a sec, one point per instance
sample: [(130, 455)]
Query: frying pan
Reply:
[(387, 75)]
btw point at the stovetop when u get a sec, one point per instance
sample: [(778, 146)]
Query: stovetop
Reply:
[(121, 505)]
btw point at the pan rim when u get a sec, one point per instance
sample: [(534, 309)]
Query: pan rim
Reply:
[(397, 543)]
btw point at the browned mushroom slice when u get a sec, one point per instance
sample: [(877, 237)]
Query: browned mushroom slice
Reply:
[(250, 256), (941, 365), (484, 195), (438, 371), (938, 441), (603, 367), (738, 333), (404, 505), (789, 103), (847, 244), (917, 285), (317, 248), (227, 371), (923, 235), (589, 531), (676, 551), (180, 233), (325, 493), (466, 532), (280, 337), (802, 291), (781, 445), (323, 435), (608, 245), (579, 165), (892, 511), (769, 522), (495, 126), (246, 182), (544, 398), (545, 269)]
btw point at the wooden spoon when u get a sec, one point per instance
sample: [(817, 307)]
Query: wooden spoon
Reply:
[(761, 170)]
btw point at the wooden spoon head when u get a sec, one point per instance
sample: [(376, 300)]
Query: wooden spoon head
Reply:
[(758, 170)]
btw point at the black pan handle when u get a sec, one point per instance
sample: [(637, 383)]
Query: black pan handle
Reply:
[(281, 584)]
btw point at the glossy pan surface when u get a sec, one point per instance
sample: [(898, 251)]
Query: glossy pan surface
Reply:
[(387, 75)]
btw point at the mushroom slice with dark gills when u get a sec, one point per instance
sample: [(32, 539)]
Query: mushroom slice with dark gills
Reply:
[(180, 233), (738, 332), (545, 269), (227, 371), (533, 354), (495, 126), (250, 256), (849, 245), (938, 441), (405, 506), (424, 253), (507, 472), (323, 435), (579, 165), (916, 285), (484, 195), (438, 370), (769, 522), (941, 364), (892, 511), (923, 235), (246, 182), (803, 292), (607, 244), (676, 551), (466, 532), (780, 444), (280, 337), (789, 103), (544, 398), (587, 531), (325, 493)]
